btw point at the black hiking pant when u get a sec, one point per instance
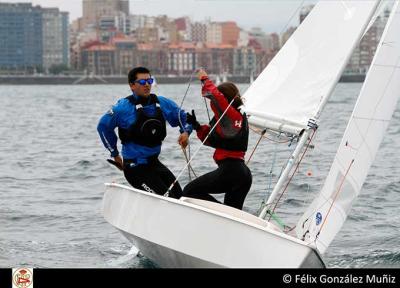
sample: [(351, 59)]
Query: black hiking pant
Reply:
[(153, 177), (232, 177)]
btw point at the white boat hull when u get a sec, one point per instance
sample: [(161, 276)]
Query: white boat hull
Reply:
[(192, 233)]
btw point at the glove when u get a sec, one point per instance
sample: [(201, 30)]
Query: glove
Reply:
[(191, 119)]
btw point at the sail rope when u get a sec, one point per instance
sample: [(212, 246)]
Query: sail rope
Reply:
[(294, 172), (190, 168), (255, 148), (208, 112), (269, 188)]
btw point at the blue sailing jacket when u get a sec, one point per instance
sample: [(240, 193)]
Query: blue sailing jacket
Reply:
[(123, 115)]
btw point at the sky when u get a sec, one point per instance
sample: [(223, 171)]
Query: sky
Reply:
[(270, 15)]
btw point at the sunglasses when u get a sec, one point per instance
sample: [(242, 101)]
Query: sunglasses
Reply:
[(144, 81)]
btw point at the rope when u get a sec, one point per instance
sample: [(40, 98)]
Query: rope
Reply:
[(190, 168), (208, 112), (271, 170), (263, 204), (294, 172), (197, 151), (337, 194), (277, 219), (255, 148)]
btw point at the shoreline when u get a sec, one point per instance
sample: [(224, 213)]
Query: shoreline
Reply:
[(110, 80)]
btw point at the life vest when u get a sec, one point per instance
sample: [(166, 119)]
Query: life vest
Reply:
[(231, 139), (147, 130)]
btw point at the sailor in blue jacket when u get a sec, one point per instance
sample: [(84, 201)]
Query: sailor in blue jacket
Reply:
[(141, 121)]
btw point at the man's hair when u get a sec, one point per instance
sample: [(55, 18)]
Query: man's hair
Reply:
[(230, 92), (132, 76)]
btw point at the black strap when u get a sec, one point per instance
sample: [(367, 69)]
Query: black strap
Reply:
[(136, 100)]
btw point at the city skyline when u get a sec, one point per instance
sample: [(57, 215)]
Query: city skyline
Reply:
[(270, 15)]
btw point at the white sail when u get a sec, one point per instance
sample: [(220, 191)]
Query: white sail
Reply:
[(363, 135), (296, 84)]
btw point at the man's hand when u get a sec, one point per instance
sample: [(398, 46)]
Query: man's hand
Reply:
[(120, 162), (201, 74), (183, 139)]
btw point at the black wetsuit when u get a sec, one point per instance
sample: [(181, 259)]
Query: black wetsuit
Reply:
[(232, 177), (153, 177)]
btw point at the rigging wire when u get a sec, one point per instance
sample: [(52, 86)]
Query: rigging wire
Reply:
[(190, 168), (294, 172), (255, 148)]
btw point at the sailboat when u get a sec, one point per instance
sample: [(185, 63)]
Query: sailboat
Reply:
[(287, 98)]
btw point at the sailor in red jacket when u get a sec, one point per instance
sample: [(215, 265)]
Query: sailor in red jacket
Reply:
[(230, 140)]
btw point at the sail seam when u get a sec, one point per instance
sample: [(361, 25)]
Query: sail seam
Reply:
[(376, 107), (386, 65), (364, 142), (372, 119)]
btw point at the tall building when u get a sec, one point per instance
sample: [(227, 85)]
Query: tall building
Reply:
[(199, 32), (55, 37), (181, 58), (183, 26), (21, 41), (214, 33), (230, 33), (32, 38), (99, 59), (244, 61), (261, 37), (93, 10), (125, 55)]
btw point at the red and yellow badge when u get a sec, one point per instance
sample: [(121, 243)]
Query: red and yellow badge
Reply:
[(22, 277)]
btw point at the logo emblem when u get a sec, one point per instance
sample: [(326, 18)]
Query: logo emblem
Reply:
[(318, 218), (153, 131), (238, 124), (22, 278)]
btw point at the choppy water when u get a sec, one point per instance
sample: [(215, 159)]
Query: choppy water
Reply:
[(52, 170)]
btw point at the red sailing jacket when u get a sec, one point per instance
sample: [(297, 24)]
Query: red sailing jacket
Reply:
[(232, 118)]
